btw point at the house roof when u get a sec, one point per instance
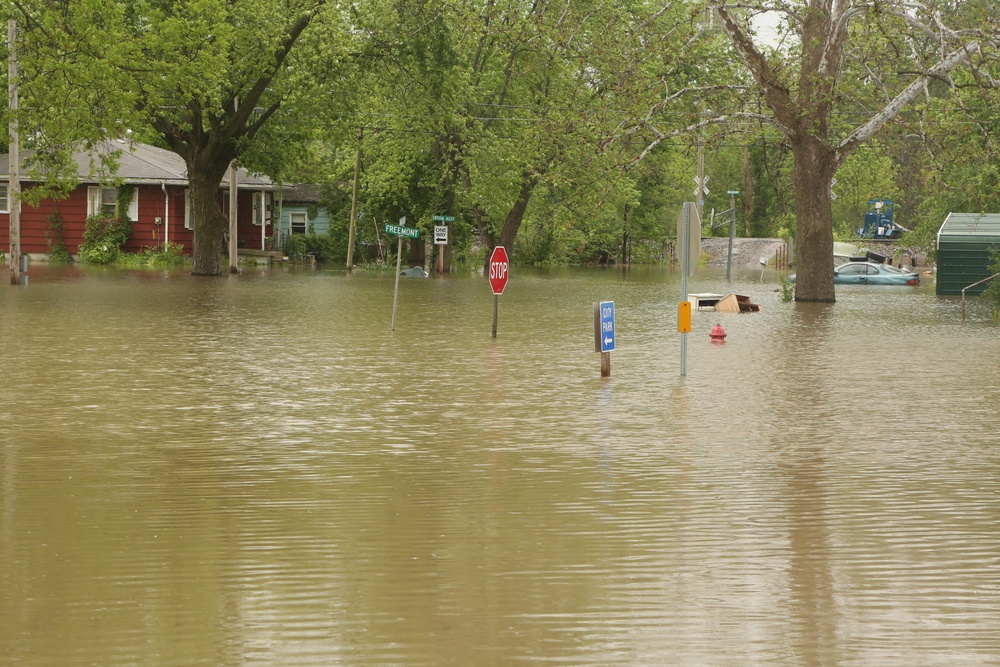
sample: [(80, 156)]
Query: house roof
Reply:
[(971, 228), (138, 164), (303, 193)]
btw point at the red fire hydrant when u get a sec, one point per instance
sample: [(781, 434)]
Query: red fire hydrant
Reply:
[(718, 334)]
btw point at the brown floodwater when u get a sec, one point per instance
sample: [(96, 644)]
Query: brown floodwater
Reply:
[(255, 470)]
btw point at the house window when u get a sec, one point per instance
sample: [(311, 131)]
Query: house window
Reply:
[(297, 221), (4, 198), (104, 201), (261, 208)]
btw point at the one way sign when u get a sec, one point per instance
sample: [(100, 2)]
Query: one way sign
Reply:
[(604, 326)]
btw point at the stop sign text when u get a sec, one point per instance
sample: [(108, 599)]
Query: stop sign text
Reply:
[(499, 270)]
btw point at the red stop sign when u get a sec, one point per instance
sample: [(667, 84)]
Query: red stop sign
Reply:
[(499, 269)]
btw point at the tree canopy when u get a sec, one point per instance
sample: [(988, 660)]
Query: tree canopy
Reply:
[(563, 129)]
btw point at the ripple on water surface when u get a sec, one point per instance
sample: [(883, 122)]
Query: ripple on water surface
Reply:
[(256, 470)]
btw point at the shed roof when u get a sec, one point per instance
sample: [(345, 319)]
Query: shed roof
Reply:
[(970, 228), (137, 163)]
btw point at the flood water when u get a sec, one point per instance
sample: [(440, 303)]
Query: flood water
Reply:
[(255, 470)]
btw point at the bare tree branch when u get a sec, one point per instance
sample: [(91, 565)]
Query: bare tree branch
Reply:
[(907, 95)]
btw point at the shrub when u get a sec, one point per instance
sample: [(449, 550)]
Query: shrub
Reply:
[(296, 247), (103, 236), (103, 239), (169, 255), (58, 252)]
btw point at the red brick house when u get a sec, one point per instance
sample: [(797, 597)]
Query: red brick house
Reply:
[(161, 210)]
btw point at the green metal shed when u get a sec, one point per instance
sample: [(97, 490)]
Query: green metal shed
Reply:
[(964, 243)]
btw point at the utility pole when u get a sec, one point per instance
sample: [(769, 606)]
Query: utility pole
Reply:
[(14, 168), (700, 198), (354, 202), (233, 252), (700, 190)]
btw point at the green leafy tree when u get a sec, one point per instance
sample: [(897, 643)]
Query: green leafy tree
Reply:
[(869, 59), (217, 73), (487, 103), (954, 153), (204, 78), (69, 90)]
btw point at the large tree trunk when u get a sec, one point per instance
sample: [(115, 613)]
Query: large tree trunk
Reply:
[(512, 223), (814, 164), (210, 225), (515, 216)]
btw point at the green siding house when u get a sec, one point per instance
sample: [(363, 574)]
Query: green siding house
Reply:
[(964, 244), (301, 212)]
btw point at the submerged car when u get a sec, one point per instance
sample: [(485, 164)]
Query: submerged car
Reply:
[(871, 273)]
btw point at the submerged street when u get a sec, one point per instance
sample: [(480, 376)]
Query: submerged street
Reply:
[(255, 470)]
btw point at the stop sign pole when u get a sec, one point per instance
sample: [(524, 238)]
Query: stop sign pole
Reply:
[(499, 272)]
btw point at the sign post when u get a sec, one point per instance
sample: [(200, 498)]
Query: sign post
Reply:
[(441, 237), (604, 334), (683, 315), (400, 231), (499, 272)]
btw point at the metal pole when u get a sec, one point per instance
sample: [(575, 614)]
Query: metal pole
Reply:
[(395, 294), (685, 263), (496, 309), (732, 232), (978, 282)]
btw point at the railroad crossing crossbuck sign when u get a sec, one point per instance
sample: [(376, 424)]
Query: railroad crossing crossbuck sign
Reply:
[(499, 269)]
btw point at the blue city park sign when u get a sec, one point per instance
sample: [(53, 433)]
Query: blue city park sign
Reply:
[(604, 326)]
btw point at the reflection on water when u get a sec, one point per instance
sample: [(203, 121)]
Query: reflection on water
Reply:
[(256, 471)]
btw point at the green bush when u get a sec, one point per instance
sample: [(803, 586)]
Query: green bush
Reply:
[(58, 252), (103, 236), (296, 247), (170, 254), (103, 239)]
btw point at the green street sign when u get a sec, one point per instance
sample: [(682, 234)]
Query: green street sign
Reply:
[(443, 218), (399, 230)]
